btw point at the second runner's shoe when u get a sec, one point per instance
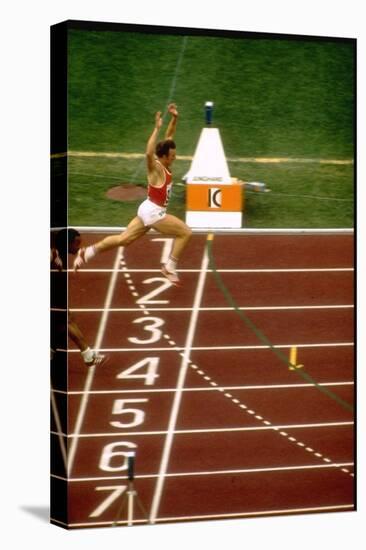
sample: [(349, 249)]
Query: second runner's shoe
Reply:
[(97, 360)]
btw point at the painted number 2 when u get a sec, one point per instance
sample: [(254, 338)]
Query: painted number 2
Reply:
[(147, 299)]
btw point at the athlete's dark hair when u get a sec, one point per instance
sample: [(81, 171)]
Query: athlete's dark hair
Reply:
[(72, 234), (64, 238), (162, 147)]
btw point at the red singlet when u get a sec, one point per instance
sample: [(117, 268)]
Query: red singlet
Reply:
[(161, 195)]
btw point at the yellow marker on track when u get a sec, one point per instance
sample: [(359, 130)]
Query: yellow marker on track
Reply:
[(293, 360)]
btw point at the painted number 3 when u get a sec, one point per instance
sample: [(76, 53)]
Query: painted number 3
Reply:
[(152, 326)]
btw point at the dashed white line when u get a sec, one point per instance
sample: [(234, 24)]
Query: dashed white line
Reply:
[(266, 422)]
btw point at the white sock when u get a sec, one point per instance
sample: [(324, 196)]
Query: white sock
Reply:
[(87, 355), (171, 264), (90, 252)]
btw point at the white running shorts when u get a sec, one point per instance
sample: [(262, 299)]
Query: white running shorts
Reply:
[(150, 213)]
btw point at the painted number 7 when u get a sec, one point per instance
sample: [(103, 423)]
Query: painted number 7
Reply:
[(116, 492), (167, 246)]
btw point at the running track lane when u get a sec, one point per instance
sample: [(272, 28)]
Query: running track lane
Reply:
[(245, 422)]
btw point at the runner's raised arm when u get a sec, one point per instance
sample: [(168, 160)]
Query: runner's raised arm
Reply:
[(151, 144), (170, 132)]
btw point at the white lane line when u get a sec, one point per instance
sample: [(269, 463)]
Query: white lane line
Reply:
[(209, 309), (91, 370), (206, 388), (298, 232), (180, 384), (211, 472), (232, 270), (225, 348), (285, 511), (59, 429), (268, 426)]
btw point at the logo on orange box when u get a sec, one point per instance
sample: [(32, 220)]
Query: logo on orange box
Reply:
[(215, 197)]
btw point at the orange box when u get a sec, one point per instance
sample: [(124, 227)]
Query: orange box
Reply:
[(214, 197)]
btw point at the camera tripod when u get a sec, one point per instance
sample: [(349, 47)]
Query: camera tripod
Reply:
[(130, 498)]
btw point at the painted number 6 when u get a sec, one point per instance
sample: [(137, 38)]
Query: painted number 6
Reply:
[(114, 456)]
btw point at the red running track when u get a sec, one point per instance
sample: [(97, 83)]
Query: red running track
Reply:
[(219, 424)]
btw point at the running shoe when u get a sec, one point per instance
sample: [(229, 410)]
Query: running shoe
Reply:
[(171, 276), (97, 360)]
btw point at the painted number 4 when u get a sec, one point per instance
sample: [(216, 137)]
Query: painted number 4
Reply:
[(149, 375)]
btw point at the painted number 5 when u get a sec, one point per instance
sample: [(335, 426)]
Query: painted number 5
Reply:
[(131, 417)]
